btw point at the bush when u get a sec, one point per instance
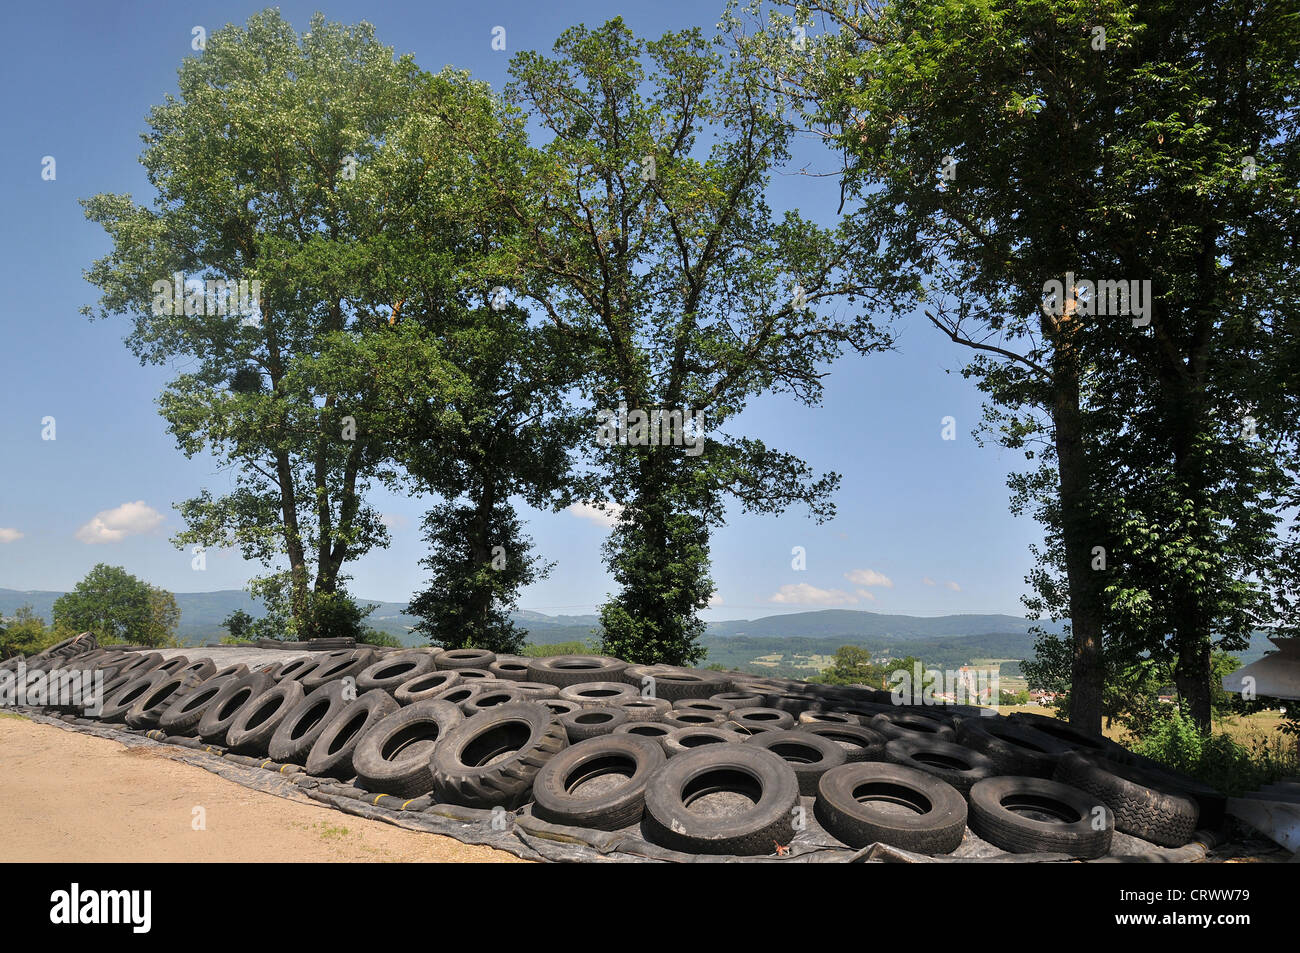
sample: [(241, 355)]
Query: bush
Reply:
[(1216, 759)]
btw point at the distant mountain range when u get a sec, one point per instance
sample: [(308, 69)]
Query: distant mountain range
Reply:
[(955, 637)]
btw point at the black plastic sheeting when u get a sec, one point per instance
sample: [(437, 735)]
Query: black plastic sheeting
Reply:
[(523, 835)]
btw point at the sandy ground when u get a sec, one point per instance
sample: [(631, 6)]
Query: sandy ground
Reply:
[(66, 796)]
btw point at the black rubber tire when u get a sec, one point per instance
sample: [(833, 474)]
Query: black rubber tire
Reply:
[(183, 715), (117, 705), (558, 706), (850, 799), (225, 708), (673, 683), (1145, 804), (587, 723), (297, 733), (957, 765), (393, 670), (811, 755), (358, 661), (490, 760), (498, 693), (679, 741), (566, 670), (694, 718), (174, 665), (901, 724), (533, 691), (793, 702), (199, 670), (394, 757), (600, 694), (993, 816), (254, 727), (296, 669), (656, 731), (465, 691), (141, 663), (645, 709), (511, 668), (1014, 749), (758, 830), (149, 707), (473, 674), (715, 706), (1211, 804), (859, 742), (428, 685), (331, 755), (1064, 732), (751, 721), (739, 699), (464, 658), (618, 806)]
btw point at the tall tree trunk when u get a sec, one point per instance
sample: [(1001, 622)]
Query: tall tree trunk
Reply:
[(1078, 539)]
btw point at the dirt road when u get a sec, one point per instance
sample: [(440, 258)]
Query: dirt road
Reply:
[(66, 796)]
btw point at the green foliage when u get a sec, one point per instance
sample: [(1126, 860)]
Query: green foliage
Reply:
[(852, 665), (118, 607), (1174, 739), (559, 648), (25, 633), (238, 626), (646, 239)]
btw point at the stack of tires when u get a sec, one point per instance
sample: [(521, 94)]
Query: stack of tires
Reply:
[(703, 762)]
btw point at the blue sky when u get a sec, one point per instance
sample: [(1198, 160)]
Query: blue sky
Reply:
[(926, 515)]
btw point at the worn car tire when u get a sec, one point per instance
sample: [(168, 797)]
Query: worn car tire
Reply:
[(859, 742), (353, 664), (150, 706), (902, 724), (959, 766), (557, 788), (751, 721), (117, 705), (656, 731), (810, 755), (1013, 748), (255, 725), (394, 756), (587, 723), (295, 669), (566, 670), (679, 741), (331, 755), (600, 694), (1145, 803), (756, 830), (297, 733), (995, 815), (490, 760), (185, 711), (225, 708), (428, 685), (393, 670), (453, 659), (673, 683), (851, 805)]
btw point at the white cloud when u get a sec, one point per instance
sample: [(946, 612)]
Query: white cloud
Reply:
[(394, 520), (953, 586), (866, 595), (111, 526), (868, 577), (926, 580), (9, 535), (715, 599), (590, 511), (802, 594)]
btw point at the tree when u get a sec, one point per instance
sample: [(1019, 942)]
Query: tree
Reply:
[(260, 168), (644, 236), (25, 633), (852, 665), (118, 607), (1007, 145), (238, 626)]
